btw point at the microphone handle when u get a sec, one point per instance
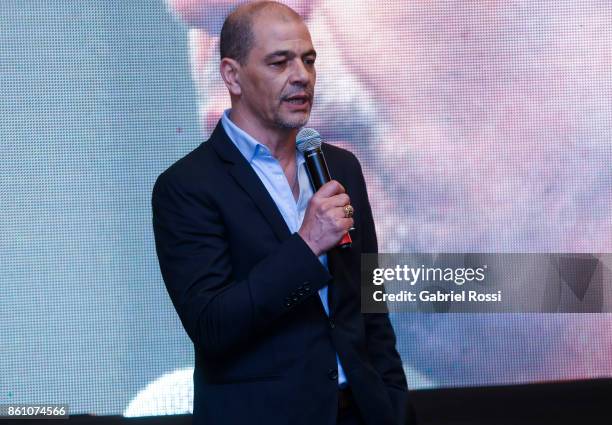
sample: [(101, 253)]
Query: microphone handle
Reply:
[(319, 175), (317, 168)]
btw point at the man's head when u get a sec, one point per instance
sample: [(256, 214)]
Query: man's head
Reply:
[(267, 64)]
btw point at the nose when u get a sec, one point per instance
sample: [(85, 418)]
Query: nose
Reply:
[(300, 74)]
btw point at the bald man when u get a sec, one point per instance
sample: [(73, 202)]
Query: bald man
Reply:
[(248, 251)]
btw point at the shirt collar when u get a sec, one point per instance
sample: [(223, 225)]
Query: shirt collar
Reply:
[(246, 144)]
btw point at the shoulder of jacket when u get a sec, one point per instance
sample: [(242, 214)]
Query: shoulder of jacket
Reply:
[(194, 168), (341, 160)]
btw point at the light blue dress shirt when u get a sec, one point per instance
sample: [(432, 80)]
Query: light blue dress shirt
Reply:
[(272, 176)]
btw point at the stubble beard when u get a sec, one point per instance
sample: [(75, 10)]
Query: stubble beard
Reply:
[(291, 124)]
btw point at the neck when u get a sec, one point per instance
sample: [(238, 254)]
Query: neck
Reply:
[(280, 141)]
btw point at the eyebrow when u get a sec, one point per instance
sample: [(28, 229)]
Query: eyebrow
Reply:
[(289, 54)]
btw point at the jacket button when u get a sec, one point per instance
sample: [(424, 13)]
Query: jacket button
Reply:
[(332, 374), (332, 324)]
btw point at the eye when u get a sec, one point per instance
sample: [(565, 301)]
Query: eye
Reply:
[(309, 61), (278, 64)]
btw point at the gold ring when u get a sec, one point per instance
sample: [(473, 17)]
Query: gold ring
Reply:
[(348, 211)]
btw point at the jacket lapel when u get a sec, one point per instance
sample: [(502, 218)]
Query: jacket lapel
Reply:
[(248, 179)]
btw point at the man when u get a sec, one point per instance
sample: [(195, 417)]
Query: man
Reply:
[(248, 252)]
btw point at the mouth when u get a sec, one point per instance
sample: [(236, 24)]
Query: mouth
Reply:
[(298, 99)]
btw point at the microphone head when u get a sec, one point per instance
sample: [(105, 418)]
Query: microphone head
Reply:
[(308, 139)]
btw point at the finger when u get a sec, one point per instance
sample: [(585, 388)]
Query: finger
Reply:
[(331, 188), (337, 201), (337, 212), (346, 223)]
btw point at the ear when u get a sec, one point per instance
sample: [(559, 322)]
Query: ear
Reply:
[(230, 70)]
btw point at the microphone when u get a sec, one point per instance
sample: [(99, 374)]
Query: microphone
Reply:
[(308, 141)]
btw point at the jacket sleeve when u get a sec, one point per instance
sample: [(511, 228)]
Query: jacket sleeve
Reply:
[(218, 311), (380, 336)]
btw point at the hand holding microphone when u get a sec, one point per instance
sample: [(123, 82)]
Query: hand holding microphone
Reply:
[(325, 221), (329, 215)]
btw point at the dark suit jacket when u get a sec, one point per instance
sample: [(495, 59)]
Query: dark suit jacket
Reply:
[(245, 289)]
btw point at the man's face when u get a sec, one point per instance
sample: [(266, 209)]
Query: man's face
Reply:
[(277, 81)]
